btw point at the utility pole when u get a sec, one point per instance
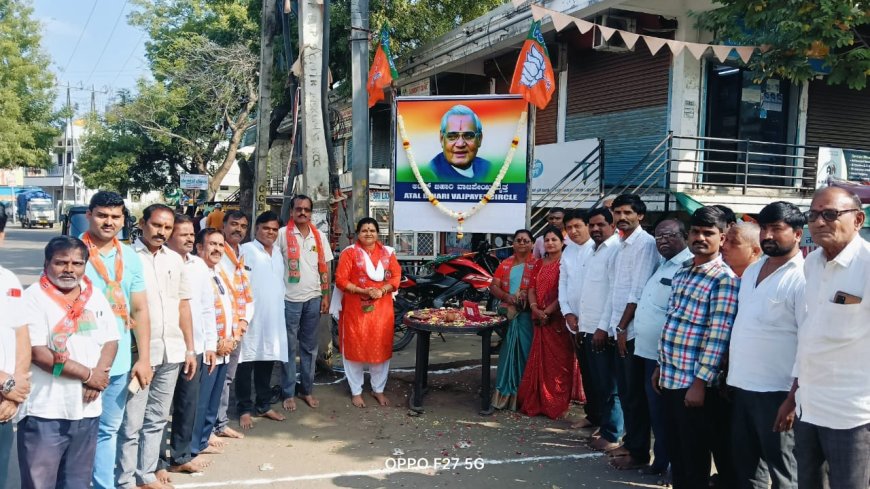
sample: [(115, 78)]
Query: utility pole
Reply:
[(315, 159), (359, 48), (264, 109)]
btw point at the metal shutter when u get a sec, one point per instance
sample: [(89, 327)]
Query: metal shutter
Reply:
[(837, 116)]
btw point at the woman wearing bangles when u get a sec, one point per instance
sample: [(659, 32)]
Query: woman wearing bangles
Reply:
[(548, 381), (367, 275), (510, 285)]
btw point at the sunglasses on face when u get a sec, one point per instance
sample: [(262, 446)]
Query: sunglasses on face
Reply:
[(302, 209), (829, 215)]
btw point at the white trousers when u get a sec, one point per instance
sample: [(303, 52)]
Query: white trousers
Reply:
[(355, 373)]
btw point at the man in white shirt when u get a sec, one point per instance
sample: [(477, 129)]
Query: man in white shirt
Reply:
[(171, 350), (235, 229), (762, 349), (14, 357), (594, 290), (266, 341), (74, 339), (833, 388), (633, 264), (186, 396), (649, 319), (306, 255), (577, 250)]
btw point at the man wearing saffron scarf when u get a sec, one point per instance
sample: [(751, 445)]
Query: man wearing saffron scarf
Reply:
[(74, 339), (306, 256), (233, 265), (116, 272)]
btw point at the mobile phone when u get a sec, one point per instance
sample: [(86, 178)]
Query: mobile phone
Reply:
[(134, 386)]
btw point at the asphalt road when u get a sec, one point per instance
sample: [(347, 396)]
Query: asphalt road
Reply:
[(338, 445)]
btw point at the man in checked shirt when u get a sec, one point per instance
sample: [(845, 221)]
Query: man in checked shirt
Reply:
[(697, 330)]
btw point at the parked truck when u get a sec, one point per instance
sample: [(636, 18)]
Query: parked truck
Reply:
[(35, 208)]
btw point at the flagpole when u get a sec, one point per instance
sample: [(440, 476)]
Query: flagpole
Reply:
[(530, 161)]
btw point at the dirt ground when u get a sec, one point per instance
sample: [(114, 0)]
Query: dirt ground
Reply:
[(449, 445)]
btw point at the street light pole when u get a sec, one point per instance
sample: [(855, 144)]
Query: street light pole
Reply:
[(264, 110)]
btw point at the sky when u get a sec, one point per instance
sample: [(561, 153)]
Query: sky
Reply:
[(91, 45)]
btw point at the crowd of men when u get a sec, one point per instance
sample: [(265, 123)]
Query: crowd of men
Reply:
[(114, 337), (754, 361), (724, 342)]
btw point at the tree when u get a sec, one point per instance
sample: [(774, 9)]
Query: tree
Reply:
[(798, 38), (28, 122)]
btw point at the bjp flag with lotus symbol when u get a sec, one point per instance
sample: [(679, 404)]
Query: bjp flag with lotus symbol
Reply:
[(383, 70), (533, 75)]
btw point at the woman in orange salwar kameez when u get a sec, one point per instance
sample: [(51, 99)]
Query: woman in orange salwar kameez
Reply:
[(549, 381), (367, 275)]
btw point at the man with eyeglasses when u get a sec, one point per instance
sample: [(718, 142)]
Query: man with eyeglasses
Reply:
[(306, 254), (461, 135), (649, 319), (831, 385)]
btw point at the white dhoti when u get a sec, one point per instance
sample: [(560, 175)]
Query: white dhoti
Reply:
[(355, 373)]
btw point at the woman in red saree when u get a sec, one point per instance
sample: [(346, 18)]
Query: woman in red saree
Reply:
[(366, 277), (549, 381)]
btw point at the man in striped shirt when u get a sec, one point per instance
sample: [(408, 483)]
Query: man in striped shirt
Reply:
[(695, 337)]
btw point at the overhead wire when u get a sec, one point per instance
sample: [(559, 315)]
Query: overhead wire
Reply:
[(108, 41), (135, 48), (81, 35)]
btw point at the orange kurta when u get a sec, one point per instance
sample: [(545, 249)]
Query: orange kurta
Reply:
[(365, 337)]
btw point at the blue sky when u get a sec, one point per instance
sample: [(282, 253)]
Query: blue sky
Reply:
[(105, 58)]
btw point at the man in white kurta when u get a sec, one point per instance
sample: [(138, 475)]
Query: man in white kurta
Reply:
[(266, 340)]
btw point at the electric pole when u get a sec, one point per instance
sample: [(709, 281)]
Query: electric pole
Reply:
[(359, 46), (264, 110)]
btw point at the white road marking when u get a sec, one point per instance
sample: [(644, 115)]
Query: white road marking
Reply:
[(375, 472)]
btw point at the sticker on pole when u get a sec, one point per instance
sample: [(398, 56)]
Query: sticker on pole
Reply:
[(193, 181)]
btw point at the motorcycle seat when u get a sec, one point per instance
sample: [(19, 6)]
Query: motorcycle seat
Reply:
[(420, 279)]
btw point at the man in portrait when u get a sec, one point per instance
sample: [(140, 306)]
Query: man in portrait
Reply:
[(461, 135)]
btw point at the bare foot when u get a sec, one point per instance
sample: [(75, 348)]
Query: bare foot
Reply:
[(245, 421), (155, 485), (214, 441), (212, 450), (290, 404), (163, 476), (602, 445), (310, 400), (627, 463), (619, 451), (201, 461), (228, 432), (381, 398), (273, 415), (188, 468), (358, 401)]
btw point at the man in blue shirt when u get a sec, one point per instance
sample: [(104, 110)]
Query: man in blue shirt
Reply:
[(460, 136), (116, 271)]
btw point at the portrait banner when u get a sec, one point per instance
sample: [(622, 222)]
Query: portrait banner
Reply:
[(470, 153)]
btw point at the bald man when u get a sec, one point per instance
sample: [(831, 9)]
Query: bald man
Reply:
[(741, 247)]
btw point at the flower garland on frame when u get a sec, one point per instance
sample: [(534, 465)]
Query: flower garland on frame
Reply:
[(461, 216)]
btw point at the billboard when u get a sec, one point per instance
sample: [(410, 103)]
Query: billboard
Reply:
[(460, 164)]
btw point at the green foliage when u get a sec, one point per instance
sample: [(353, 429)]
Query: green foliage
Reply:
[(791, 32), (28, 122)]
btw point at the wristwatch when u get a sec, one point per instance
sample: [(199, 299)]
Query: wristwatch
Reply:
[(190, 353), (8, 385)]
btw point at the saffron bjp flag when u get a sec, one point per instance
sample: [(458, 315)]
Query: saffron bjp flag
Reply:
[(533, 75), (383, 70)]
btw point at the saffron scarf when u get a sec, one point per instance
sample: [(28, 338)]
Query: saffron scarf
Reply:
[(294, 251), (220, 314), (114, 293), (69, 323), (505, 271), (241, 286)]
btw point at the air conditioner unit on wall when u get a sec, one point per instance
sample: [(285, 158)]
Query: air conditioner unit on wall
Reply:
[(615, 44)]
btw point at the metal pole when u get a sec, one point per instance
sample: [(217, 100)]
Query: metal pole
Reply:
[(264, 110), (359, 47), (530, 160)]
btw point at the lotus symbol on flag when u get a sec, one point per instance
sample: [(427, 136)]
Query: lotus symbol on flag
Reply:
[(533, 67)]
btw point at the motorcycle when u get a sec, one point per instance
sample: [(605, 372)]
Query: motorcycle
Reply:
[(455, 278)]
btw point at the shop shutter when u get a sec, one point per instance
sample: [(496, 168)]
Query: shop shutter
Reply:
[(837, 116)]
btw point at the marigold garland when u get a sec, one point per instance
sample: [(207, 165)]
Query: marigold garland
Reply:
[(461, 216)]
